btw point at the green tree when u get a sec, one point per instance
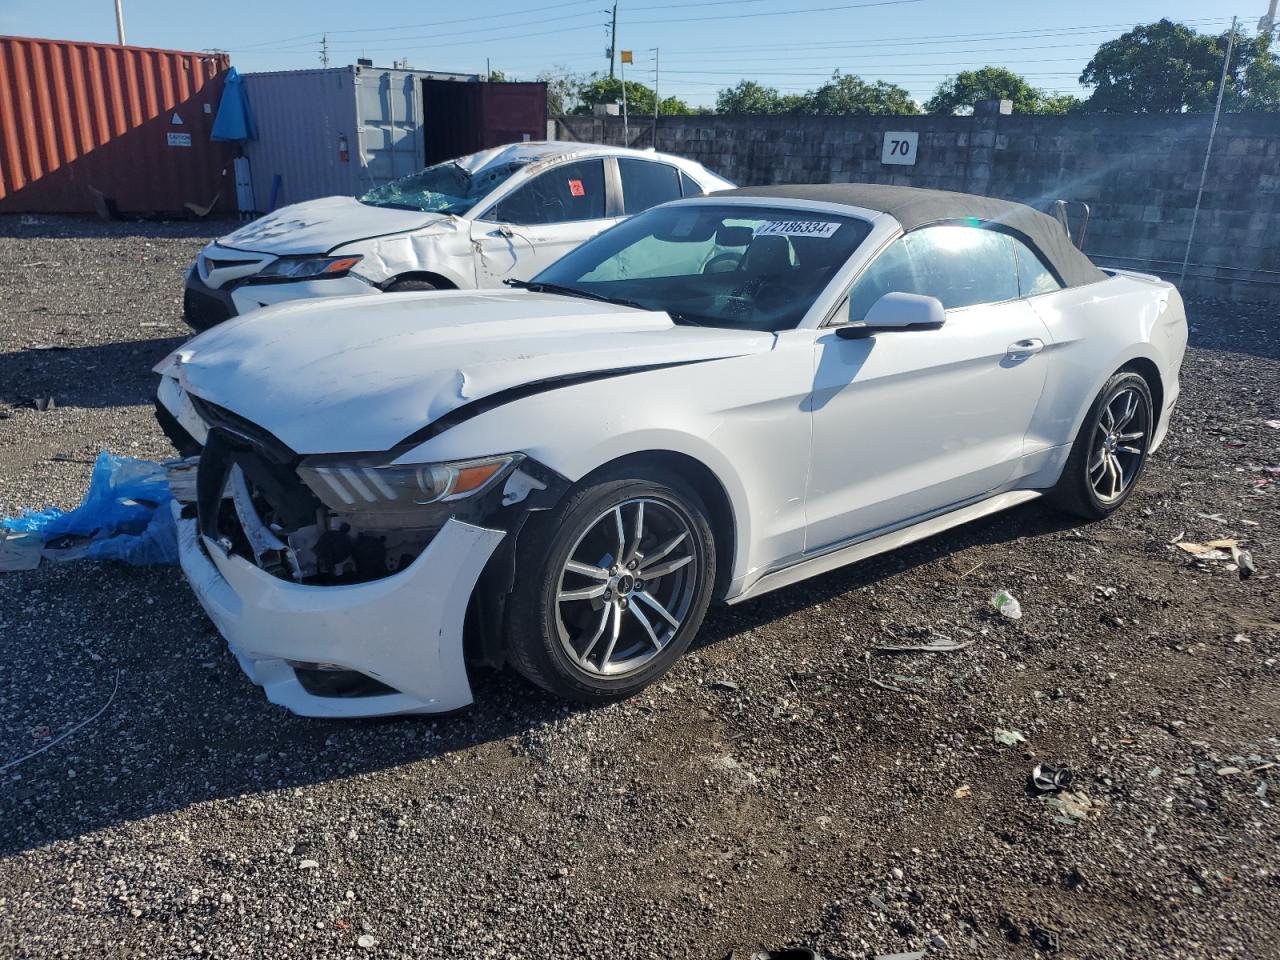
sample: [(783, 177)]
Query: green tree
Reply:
[(750, 97), (1166, 67), (599, 89), (961, 92), (847, 94), (564, 91), (1060, 103), (497, 76)]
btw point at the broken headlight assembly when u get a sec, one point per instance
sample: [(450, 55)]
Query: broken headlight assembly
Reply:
[(306, 268), (359, 486)]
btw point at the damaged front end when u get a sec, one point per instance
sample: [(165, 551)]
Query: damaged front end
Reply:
[(377, 561)]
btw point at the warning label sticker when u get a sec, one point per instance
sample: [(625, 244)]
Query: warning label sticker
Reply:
[(796, 228), (576, 189)]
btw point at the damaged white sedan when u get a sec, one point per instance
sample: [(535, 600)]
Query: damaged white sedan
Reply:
[(717, 398), (503, 213)]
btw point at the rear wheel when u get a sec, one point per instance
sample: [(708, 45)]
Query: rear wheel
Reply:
[(1110, 451), (410, 283), (611, 586)]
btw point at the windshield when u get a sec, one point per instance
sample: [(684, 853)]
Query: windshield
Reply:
[(751, 268), (444, 188)]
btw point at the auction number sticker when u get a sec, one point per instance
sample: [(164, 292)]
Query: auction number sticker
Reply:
[(797, 228), (576, 189)]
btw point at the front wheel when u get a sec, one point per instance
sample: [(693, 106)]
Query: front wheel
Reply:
[(1110, 451), (410, 283), (611, 586)]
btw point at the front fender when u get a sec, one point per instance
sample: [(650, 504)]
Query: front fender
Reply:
[(443, 249), (742, 418)]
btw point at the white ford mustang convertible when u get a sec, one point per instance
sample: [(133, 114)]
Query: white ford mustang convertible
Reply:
[(716, 398)]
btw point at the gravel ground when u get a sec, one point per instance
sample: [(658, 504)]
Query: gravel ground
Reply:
[(766, 793)]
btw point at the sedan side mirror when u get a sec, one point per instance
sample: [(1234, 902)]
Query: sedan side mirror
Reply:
[(897, 311)]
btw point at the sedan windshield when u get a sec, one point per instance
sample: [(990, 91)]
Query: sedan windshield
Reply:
[(745, 267), (444, 188)]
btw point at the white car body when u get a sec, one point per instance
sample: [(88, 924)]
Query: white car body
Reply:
[(824, 449), (464, 251)]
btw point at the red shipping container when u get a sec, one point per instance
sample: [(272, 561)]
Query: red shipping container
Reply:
[(128, 126)]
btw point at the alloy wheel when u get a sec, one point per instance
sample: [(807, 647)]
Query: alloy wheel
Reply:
[(627, 586), (1120, 444)]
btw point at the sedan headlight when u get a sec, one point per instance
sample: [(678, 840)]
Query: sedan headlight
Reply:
[(356, 485), (306, 268)]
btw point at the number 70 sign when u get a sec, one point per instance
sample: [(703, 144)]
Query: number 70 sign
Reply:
[(899, 148)]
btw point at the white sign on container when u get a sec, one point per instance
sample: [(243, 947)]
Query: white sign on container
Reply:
[(900, 148), (179, 139)]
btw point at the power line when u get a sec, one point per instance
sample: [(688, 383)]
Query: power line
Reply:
[(781, 13), (314, 36)]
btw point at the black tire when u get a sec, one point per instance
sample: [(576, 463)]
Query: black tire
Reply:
[(534, 621), (410, 283), (1075, 491)]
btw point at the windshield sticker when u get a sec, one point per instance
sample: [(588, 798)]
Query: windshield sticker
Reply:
[(576, 189), (796, 228)]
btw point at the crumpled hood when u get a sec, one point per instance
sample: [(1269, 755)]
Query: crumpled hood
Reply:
[(359, 374), (317, 226)]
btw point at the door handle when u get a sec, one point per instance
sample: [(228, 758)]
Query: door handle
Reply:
[(1024, 348)]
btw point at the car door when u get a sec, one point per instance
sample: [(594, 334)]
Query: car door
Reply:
[(541, 220), (909, 423)]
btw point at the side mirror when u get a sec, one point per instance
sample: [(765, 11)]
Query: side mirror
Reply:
[(897, 311)]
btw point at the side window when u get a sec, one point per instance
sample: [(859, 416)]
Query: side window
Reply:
[(1033, 276), (961, 266), (563, 194), (647, 183), (689, 186)]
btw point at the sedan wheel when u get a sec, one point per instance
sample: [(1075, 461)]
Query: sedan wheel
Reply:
[(611, 586), (626, 588), (1120, 444), (1110, 450)]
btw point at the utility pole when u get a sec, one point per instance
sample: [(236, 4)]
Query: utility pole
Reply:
[(1208, 150), (656, 101), (324, 50), (626, 125), (120, 22), (613, 40)]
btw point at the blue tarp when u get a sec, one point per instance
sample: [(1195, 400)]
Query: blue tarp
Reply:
[(235, 118), (126, 512)]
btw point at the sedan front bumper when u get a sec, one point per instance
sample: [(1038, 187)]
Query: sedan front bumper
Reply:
[(204, 306), (404, 630)]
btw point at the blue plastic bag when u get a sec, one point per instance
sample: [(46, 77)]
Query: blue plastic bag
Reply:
[(125, 511)]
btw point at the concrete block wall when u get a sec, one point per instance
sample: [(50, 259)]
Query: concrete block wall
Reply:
[(1138, 173)]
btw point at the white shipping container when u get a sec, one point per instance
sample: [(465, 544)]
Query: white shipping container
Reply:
[(335, 131)]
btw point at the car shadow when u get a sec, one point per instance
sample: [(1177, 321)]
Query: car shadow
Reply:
[(186, 727), (102, 375)]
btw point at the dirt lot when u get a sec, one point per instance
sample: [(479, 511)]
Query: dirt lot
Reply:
[(766, 793)]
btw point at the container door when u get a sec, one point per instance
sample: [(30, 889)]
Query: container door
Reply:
[(388, 107)]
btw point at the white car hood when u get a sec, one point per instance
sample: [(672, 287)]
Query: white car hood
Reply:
[(317, 226), (355, 375)]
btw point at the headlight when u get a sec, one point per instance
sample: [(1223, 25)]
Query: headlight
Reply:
[(306, 268), (353, 485)]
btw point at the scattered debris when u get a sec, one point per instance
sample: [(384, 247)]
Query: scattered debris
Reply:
[(19, 551), (940, 645), (66, 733), (124, 515), (911, 955), (964, 792), (1046, 778), (726, 685), (1008, 738), (1072, 807), (1243, 560), (366, 941), (1007, 604), (309, 865), (1273, 424)]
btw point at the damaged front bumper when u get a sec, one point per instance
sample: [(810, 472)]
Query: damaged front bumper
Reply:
[(403, 630)]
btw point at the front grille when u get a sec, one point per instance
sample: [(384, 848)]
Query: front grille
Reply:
[(202, 310)]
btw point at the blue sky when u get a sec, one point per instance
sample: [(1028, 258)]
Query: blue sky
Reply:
[(705, 44)]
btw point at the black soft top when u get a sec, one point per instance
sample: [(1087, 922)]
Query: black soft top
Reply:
[(915, 207)]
